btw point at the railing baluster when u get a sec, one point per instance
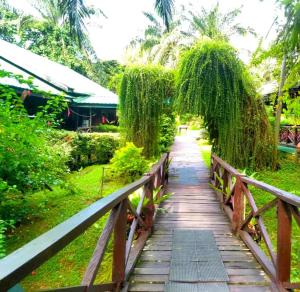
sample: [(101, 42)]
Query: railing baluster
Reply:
[(284, 244), (94, 264), (238, 205), (149, 209), (119, 248)]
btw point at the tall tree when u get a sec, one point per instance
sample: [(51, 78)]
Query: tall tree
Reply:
[(165, 9), (289, 41), (75, 12), (216, 25)]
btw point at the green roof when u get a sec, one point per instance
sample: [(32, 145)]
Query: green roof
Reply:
[(52, 77)]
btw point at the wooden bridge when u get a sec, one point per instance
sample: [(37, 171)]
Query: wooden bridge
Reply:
[(197, 224)]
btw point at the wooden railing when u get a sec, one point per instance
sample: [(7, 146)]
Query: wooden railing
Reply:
[(233, 189), (290, 135), (126, 250)]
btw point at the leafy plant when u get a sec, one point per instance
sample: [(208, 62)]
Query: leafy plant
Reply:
[(158, 198), (107, 128), (2, 238), (128, 162), (167, 132), (85, 148), (213, 83), (144, 93)]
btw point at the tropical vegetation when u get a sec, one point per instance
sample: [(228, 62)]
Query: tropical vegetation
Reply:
[(181, 70)]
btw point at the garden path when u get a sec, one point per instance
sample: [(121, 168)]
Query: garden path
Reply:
[(194, 205)]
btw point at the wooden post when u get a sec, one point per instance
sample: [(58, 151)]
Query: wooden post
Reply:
[(284, 244), (119, 248), (298, 152), (225, 184), (238, 205), (149, 210)]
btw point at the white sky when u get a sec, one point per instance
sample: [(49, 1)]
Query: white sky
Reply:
[(125, 21)]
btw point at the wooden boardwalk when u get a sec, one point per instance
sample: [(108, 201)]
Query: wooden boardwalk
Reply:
[(194, 205)]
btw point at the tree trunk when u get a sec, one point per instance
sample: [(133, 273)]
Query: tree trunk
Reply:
[(280, 99)]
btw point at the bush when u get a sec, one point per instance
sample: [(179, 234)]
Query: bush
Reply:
[(86, 148), (28, 160), (167, 132), (107, 128), (2, 238), (129, 163)]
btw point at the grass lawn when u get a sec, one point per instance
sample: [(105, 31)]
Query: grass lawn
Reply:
[(68, 266), (286, 178)]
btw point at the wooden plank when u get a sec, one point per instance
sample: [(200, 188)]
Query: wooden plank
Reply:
[(249, 288), (135, 253), (149, 287), (260, 256)]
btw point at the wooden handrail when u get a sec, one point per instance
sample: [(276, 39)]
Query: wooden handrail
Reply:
[(280, 194), (17, 265), (290, 135), (234, 201)]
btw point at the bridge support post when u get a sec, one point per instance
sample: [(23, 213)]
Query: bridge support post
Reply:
[(119, 248), (148, 189), (238, 206), (284, 244)]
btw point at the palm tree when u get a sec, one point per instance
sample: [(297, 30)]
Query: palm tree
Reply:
[(75, 12), (158, 45), (164, 9), (215, 25), (290, 39)]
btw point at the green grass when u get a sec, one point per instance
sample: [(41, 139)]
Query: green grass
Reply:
[(286, 178), (68, 266), (205, 150)]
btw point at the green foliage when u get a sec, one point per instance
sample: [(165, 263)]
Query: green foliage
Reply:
[(167, 132), (145, 93), (27, 161), (2, 239), (128, 162), (218, 26), (103, 128), (85, 148), (213, 83), (158, 198), (58, 206)]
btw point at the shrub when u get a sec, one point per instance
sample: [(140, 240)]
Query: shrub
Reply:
[(107, 128), (129, 163), (104, 147), (86, 148), (144, 93), (167, 132), (2, 238), (28, 161)]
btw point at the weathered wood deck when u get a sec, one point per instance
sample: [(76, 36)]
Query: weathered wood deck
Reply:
[(194, 205)]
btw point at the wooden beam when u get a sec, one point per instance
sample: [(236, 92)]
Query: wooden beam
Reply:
[(119, 247)]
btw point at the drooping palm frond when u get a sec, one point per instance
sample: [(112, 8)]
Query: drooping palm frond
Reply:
[(291, 31), (215, 25), (75, 11), (164, 9), (49, 10)]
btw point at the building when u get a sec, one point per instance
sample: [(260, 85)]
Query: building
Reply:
[(88, 102)]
